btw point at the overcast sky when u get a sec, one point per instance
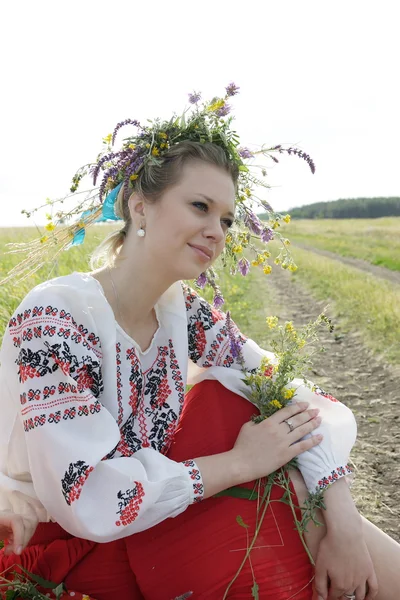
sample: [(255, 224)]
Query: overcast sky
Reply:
[(322, 75)]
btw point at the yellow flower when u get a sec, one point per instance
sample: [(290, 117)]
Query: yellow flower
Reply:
[(163, 145), (275, 225), (272, 322), (147, 145), (286, 242), (247, 191), (289, 394), (133, 177), (48, 201), (301, 343), (254, 263), (81, 225), (50, 226), (43, 239), (267, 269), (48, 216), (277, 261), (287, 219), (228, 238), (292, 268), (266, 254), (110, 180), (216, 105), (237, 249), (107, 139), (275, 403), (163, 136), (132, 146), (289, 326), (155, 152)]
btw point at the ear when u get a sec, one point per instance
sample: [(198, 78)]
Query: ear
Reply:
[(136, 205)]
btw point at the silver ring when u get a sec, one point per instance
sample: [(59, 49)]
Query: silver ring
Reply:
[(291, 426), (350, 596)]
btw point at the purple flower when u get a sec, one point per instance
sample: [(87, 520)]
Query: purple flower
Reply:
[(218, 300), (232, 89), (245, 153), (194, 98), (244, 266), (224, 110), (202, 280), (267, 235), (234, 339), (253, 222)]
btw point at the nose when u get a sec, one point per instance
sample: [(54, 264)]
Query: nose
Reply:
[(214, 231)]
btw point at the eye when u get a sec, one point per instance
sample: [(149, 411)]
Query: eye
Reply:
[(227, 222), (201, 206)]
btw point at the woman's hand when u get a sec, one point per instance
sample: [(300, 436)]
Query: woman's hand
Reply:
[(344, 561), (262, 448), (16, 531)]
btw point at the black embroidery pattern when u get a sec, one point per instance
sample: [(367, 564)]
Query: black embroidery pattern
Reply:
[(129, 504), (86, 372), (73, 480)]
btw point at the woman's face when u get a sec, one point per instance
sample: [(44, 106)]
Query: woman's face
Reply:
[(186, 227)]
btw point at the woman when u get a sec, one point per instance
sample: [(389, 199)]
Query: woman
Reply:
[(101, 445)]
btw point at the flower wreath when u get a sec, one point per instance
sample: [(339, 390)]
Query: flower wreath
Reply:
[(206, 122)]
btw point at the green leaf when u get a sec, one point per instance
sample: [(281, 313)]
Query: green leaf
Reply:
[(238, 492), (39, 580), (59, 590), (243, 168), (254, 591), (11, 595), (240, 522)]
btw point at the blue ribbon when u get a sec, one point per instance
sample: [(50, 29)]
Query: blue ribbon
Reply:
[(108, 214)]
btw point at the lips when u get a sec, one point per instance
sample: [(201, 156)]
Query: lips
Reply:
[(203, 250)]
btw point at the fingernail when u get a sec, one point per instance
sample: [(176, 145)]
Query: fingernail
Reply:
[(320, 437), (18, 550)]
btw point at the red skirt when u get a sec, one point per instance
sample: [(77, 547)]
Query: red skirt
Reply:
[(198, 551)]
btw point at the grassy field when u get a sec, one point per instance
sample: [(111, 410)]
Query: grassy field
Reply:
[(364, 303), (374, 240)]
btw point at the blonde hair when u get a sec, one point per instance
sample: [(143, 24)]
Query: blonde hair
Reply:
[(152, 182)]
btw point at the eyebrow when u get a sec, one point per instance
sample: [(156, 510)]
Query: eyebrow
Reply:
[(211, 201)]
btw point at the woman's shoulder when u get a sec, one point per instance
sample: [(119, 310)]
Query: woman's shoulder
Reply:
[(71, 293)]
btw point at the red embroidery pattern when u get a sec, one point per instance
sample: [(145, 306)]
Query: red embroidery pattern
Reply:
[(73, 480), (29, 323), (320, 392), (334, 476), (198, 487), (119, 386), (68, 414), (129, 504)]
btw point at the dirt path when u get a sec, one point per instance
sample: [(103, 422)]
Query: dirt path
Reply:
[(371, 389), (363, 265)]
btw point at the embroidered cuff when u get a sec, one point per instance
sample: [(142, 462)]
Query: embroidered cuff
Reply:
[(197, 492), (336, 474)]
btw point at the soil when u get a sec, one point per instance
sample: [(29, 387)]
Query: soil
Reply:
[(350, 372)]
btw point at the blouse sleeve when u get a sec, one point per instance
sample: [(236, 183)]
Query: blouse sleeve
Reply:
[(211, 358), (69, 432)]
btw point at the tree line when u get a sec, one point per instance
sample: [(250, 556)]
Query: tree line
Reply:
[(351, 208)]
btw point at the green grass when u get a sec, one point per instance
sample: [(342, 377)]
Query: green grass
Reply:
[(376, 241), (366, 304)]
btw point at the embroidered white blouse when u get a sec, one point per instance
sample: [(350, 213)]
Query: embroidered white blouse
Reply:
[(86, 417)]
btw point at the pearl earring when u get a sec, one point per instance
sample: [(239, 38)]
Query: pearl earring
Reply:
[(141, 232)]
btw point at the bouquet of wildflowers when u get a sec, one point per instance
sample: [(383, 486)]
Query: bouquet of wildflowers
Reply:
[(269, 388)]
